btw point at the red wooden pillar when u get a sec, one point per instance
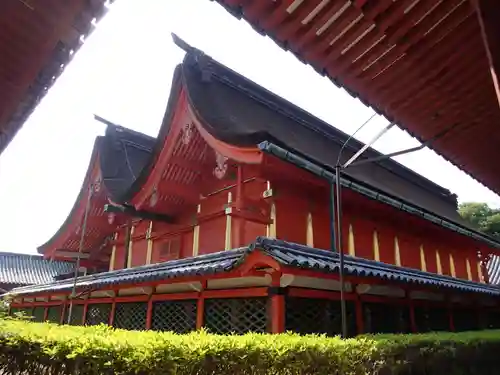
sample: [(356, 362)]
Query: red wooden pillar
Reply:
[(63, 312), (277, 300), (411, 307), (450, 315), (84, 314), (413, 322), (113, 310), (149, 313), (360, 322), (200, 307), (45, 313), (478, 309), (238, 235)]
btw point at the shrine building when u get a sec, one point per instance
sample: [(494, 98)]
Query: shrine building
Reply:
[(201, 227)]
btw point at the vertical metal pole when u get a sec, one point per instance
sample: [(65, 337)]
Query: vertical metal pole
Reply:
[(341, 251), (332, 217), (80, 250)]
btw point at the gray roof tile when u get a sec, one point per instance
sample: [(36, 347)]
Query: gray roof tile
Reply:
[(26, 269), (285, 253)]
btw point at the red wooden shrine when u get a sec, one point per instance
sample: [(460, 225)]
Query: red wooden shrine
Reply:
[(170, 221)]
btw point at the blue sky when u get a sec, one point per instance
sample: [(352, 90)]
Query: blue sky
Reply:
[(123, 73)]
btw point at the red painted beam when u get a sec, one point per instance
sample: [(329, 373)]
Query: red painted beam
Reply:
[(488, 13)]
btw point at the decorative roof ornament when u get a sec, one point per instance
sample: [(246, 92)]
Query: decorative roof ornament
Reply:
[(221, 167), (187, 133), (153, 199), (97, 184)]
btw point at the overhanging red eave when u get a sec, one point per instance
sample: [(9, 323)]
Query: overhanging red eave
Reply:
[(246, 155), (68, 235), (57, 240), (184, 114), (38, 41), (420, 63)]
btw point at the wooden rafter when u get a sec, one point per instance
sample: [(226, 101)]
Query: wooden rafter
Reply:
[(422, 64), (488, 13)]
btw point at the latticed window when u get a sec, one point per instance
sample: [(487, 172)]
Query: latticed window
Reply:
[(318, 316), (431, 318), (490, 319), (76, 315), (238, 315), (14, 310), (465, 319), (98, 313), (54, 314), (131, 315), (383, 318), (27, 311), (38, 314), (175, 316)]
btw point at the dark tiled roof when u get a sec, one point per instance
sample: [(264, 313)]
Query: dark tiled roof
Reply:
[(238, 111), (201, 265), (23, 269), (301, 256), (123, 154), (285, 253)]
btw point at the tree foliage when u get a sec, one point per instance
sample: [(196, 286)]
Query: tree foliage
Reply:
[(481, 216)]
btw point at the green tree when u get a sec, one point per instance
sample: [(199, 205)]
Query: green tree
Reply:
[(481, 216)]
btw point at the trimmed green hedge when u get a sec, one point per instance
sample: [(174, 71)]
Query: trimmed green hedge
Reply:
[(43, 348)]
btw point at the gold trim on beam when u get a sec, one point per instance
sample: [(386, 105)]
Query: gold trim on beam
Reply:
[(310, 231), (130, 248), (113, 253), (228, 241), (453, 271), (149, 235), (469, 269), (439, 267), (376, 250), (196, 234), (351, 244), (268, 192), (271, 228), (423, 263), (480, 271), (397, 254)]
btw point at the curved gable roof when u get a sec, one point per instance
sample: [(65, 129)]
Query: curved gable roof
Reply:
[(238, 111), (123, 155), (120, 155)]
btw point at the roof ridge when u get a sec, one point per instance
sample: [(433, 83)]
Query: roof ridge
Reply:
[(11, 253), (270, 244), (285, 107), (286, 253)]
